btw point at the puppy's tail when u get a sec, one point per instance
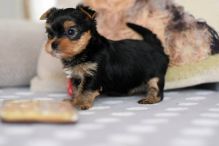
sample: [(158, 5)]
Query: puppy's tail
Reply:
[(147, 34)]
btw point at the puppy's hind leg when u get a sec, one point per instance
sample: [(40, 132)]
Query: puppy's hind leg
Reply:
[(154, 91)]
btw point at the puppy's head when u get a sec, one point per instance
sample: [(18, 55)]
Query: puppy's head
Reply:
[(69, 30)]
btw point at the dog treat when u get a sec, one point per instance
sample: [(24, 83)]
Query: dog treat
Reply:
[(48, 111)]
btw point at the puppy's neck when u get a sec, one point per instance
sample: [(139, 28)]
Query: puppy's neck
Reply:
[(78, 59)]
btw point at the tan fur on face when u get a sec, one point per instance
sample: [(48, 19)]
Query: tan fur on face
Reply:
[(183, 47), (68, 24), (69, 48), (48, 47)]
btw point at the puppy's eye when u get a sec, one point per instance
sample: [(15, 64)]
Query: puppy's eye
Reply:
[(71, 32)]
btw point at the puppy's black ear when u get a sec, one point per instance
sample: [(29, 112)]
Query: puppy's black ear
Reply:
[(48, 13), (91, 14)]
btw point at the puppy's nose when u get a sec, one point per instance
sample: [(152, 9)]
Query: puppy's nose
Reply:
[(55, 45)]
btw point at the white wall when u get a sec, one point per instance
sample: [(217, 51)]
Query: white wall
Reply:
[(68, 3), (38, 7), (203, 9)]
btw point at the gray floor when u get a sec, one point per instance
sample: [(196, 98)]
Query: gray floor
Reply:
[(184, 118)]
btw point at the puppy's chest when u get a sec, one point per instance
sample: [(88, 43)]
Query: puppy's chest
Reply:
[(81, 70)]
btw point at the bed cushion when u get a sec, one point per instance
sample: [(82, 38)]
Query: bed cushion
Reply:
[(19, 51)]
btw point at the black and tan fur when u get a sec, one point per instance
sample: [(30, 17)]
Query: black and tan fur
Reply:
[(97, 65)]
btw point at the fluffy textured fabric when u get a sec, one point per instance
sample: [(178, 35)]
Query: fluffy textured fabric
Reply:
[(186, 40)]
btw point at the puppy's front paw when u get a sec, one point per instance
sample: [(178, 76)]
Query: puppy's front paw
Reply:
[(85, 106), (85, 101), (149, 100), (78, 103), (68, 72)]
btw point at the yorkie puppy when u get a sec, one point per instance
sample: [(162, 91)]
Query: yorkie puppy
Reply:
[(97, 65), (185, 39)]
